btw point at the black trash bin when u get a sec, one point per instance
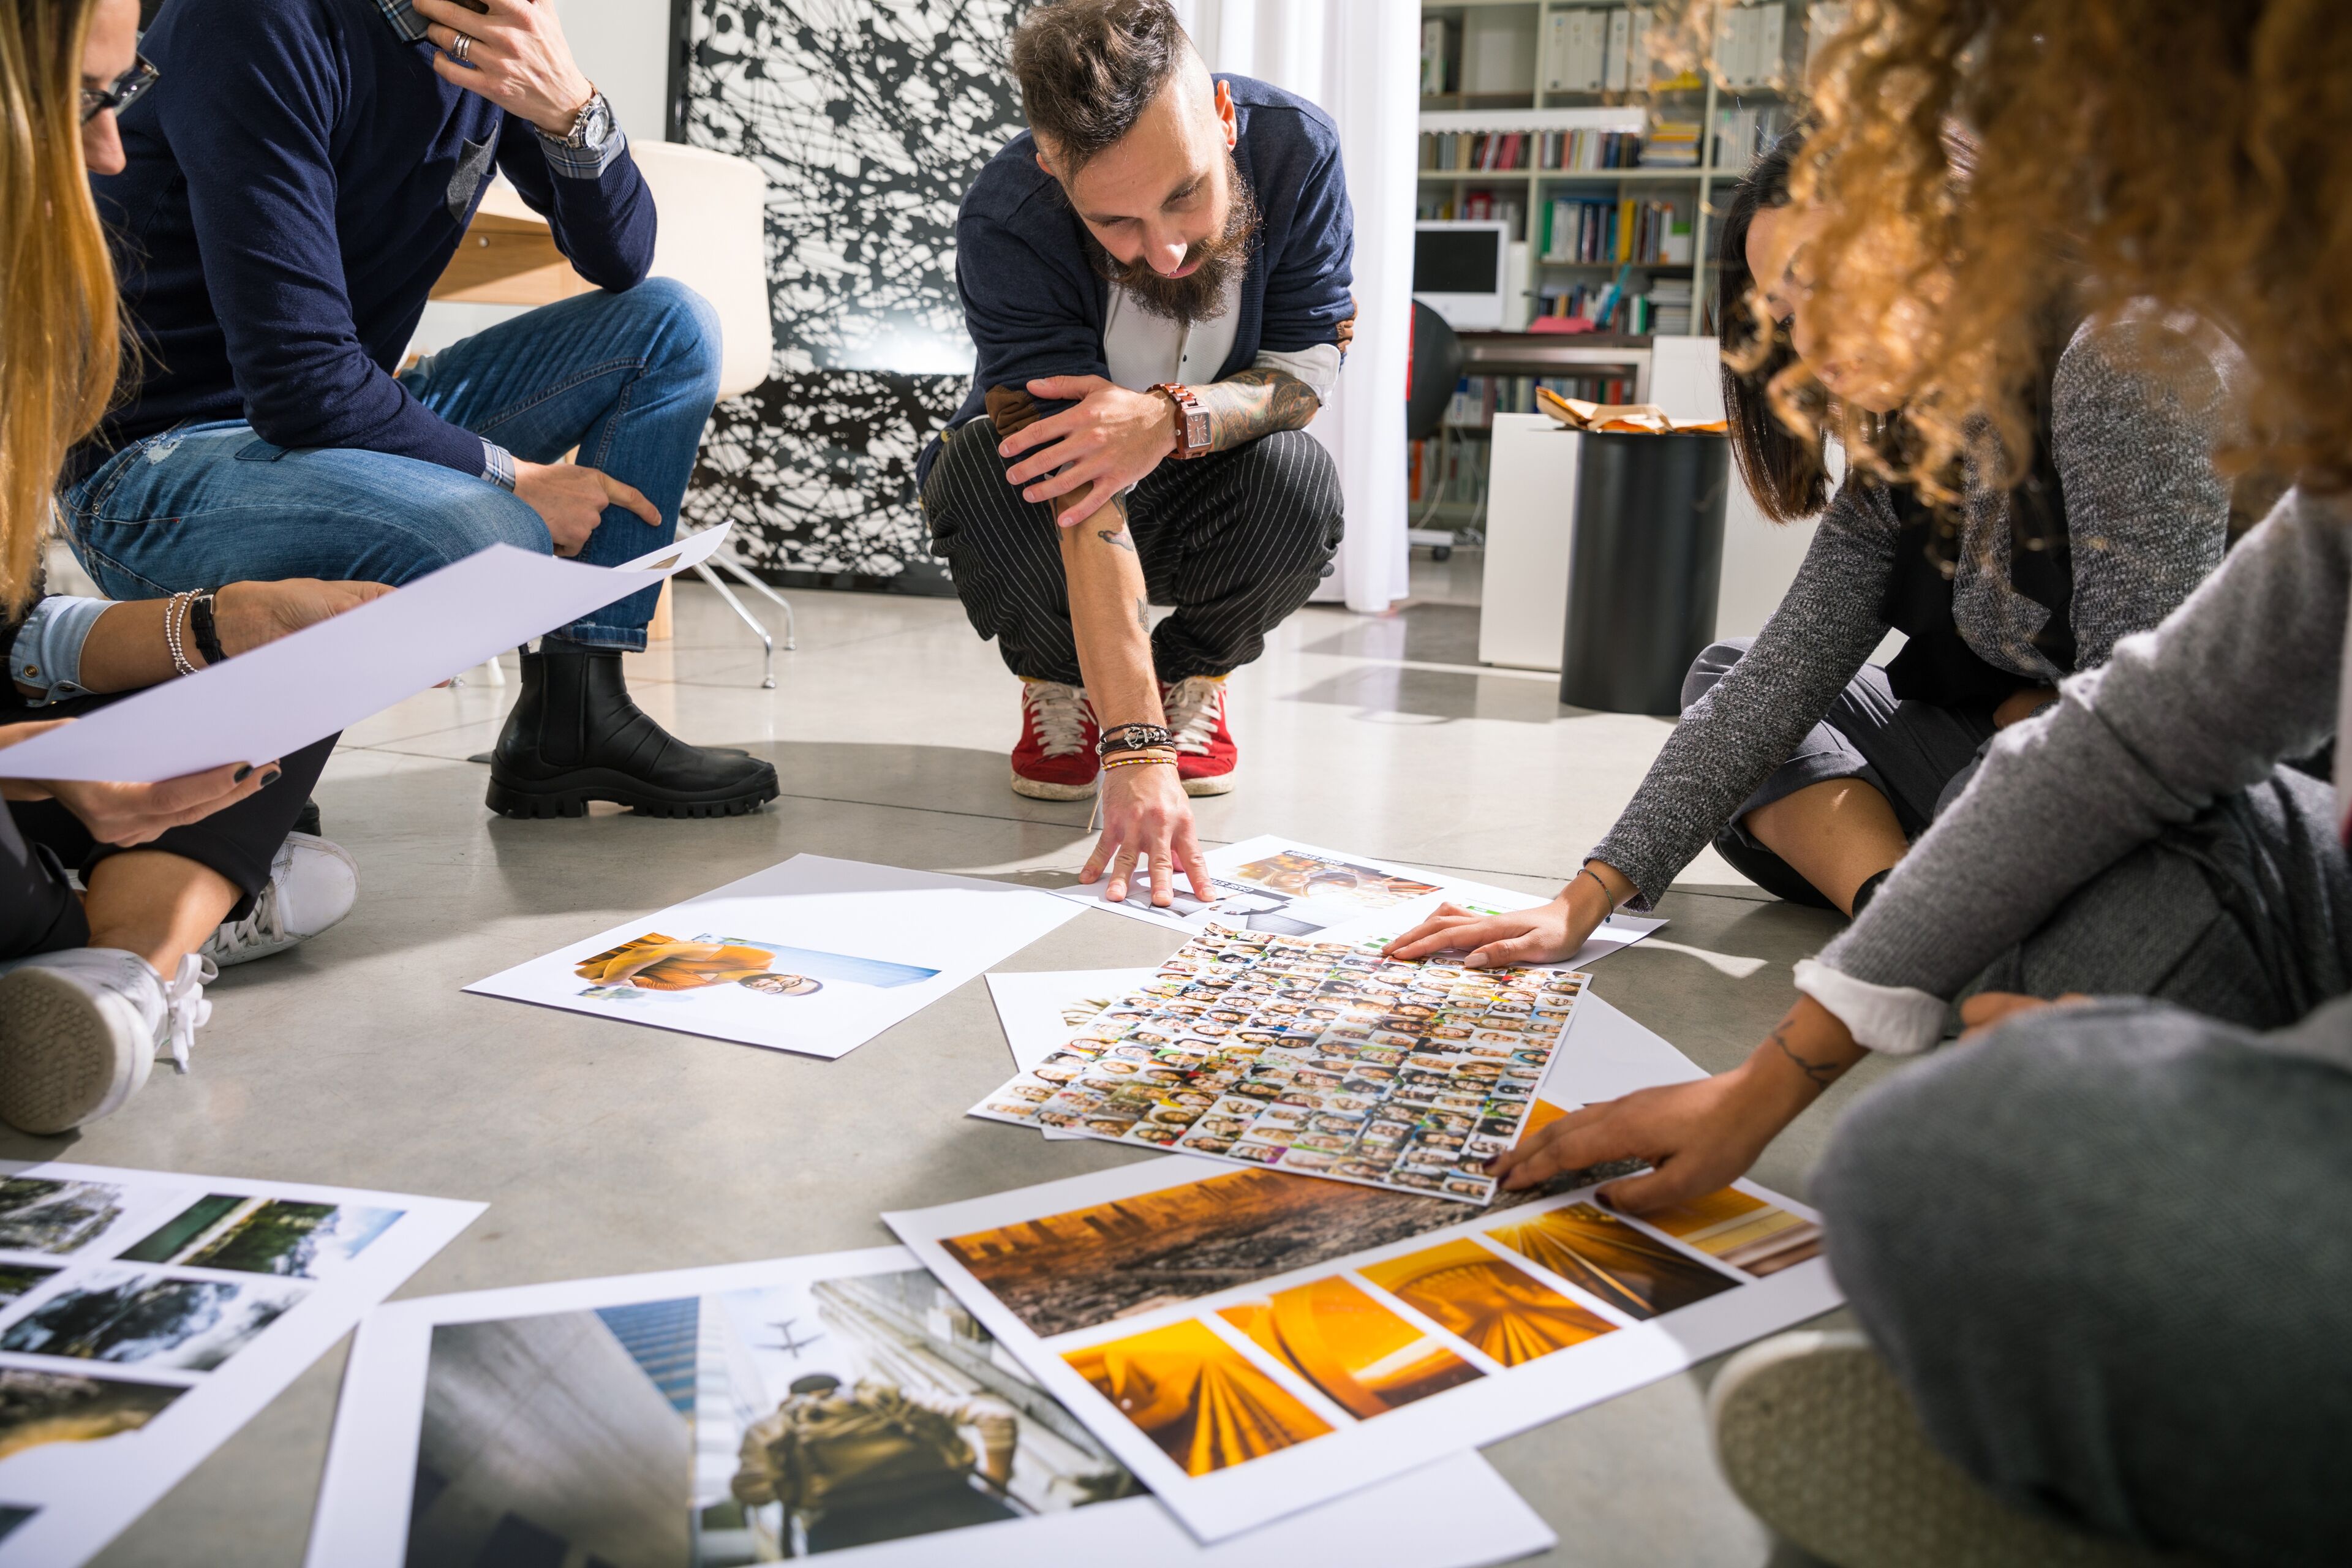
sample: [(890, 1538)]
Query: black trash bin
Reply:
[(1645, 560)]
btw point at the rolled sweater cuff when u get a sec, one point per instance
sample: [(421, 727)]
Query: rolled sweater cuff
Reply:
[(1892, 1018)]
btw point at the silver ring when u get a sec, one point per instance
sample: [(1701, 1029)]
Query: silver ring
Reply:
[(464, 42)]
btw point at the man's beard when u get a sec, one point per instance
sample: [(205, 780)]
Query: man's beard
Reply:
[(1199, 295)]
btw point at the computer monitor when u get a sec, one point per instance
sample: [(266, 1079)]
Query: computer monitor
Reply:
[(1458, 271)]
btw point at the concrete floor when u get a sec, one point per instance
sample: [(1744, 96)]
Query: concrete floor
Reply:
[(604, 1148)]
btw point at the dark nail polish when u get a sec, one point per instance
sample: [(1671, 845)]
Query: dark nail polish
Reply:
[(269, 778), (242, 773)]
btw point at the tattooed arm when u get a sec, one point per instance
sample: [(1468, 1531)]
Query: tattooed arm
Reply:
[(1256, 403), (1700, 1136), (1144, 808)]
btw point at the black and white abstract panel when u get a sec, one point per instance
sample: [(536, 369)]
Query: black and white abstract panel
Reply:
[(870, 119)]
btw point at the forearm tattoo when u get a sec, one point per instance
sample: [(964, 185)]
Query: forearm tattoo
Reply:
[(1241, 408), (1117, 537), (1822, 1073)]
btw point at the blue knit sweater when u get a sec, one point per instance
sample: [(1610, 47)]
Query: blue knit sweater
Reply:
[(299, 177)]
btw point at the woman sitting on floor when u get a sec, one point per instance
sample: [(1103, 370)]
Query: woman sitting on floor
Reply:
[(1809, 769), (95, 980)]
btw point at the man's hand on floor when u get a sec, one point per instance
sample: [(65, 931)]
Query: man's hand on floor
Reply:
[(1146, 812), (518, 58), (570, 500)]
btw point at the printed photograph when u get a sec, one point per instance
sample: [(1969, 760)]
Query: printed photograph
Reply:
[(1358, 1354), (656, 964), (15, 1279), (1196, 1397), (264, 1235), (37, 1408), (139, 1319), (746, 1426), (41, 1215), (1510, 1316), (1601, 1255), (1744, 1231), (1313, 878), (1060, 1273)]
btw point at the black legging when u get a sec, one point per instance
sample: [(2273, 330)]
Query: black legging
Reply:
[(40, 839)]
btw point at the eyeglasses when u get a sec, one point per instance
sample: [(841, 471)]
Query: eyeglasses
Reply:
[(118, 96)]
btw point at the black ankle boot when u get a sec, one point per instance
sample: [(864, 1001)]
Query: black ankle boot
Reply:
[(574, 736)]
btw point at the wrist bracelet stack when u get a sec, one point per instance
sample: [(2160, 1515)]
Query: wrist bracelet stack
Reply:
[(1141, 758), (1135, 738)]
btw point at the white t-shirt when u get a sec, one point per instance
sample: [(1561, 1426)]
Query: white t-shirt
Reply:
[(1143, 349)]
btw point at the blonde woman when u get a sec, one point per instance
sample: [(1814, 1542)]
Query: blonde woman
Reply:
[(2100, 1250), (94, 980)]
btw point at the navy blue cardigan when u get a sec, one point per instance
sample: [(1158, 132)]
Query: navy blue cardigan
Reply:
[(297, 180), (1034, 304)]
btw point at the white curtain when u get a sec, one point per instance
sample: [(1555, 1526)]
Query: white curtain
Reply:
[(1361, 59)]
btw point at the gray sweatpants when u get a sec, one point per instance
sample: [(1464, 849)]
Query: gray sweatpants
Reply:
[(2108, 1251)]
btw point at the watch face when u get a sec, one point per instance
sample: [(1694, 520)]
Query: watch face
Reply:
[(594, 124)]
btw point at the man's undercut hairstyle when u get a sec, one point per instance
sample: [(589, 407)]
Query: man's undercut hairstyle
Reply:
[(1090, 68)]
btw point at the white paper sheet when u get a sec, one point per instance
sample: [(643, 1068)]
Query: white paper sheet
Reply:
[(541, 1404), (814, 955), (1275, 884), (1364, 1333), (1040, 1009), (284, 695), (146, 1316)]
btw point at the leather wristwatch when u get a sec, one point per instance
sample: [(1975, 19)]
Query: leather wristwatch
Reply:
[(1191, 419)]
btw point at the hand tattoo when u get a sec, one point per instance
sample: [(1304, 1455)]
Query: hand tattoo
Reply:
[(1116, 537), (1256, 403), (1822, 1073)]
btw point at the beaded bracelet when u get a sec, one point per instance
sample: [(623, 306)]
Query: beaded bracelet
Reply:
[(173, 613)]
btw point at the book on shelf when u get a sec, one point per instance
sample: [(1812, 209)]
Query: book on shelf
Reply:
[(1750, 45), (1670, 144), (1599, 49), (1433, 56), (1741, 133)]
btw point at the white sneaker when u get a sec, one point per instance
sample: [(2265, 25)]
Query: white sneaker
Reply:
[(78, 1031), (313, 884), (1818, 1438)]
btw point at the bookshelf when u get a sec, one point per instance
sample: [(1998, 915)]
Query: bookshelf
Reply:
[(1543, 71)]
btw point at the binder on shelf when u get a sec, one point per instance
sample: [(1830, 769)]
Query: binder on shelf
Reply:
[(1433, 56), (1614, 72)]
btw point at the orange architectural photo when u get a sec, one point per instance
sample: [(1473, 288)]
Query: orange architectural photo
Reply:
[(656, 962), (1741, 1230), (1363, 1357), (1196, 1396), (1475, 1296), (1637, 1274)]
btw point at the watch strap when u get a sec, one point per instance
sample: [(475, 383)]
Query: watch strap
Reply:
[(202, 629)]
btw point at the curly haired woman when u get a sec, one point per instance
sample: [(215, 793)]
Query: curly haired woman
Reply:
[(2099, 1248)]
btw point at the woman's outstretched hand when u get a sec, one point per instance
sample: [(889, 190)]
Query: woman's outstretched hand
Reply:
[(132, 813), (1545, 934)]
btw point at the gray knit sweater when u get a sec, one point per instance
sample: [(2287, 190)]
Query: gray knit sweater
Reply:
[(2137, 409), (2243, 676)]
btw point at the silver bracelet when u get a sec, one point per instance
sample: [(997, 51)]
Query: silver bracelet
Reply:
[(173, 611)]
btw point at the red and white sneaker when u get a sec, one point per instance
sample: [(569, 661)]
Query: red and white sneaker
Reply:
[(1055, 758), (1205, 753)]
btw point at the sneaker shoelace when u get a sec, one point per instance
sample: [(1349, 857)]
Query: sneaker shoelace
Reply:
[(1192, 714), (265, 925), (185, 1008), (1058, 713)]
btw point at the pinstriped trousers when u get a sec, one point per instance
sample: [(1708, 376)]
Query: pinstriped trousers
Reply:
[(1235, 541)]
